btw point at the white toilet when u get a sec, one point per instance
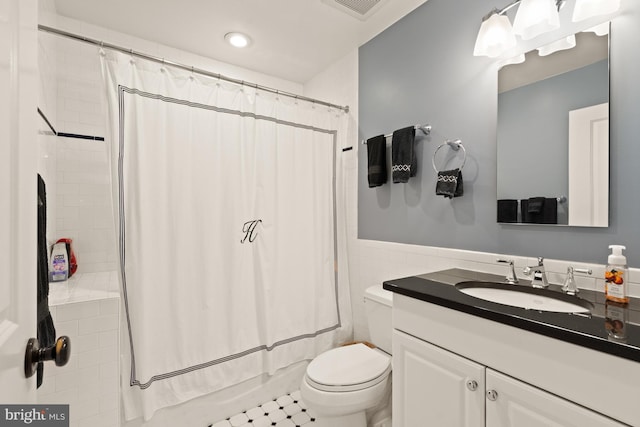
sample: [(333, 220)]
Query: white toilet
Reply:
[(342, 383)]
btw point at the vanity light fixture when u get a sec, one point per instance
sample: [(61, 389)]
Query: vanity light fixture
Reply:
[(237, 39), (536, 17), (586, 9), (495, 36), (533, 18)]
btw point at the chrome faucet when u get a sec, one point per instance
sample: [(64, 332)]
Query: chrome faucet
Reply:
[(511, 275), (569, 287), (538, 274)]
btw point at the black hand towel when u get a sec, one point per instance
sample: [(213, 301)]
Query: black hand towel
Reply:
[(403, 159), (548, 214), (507, 210), (46, 331), (449, 183), (377, 165)]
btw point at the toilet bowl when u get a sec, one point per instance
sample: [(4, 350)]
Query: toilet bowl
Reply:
[(341, 384)]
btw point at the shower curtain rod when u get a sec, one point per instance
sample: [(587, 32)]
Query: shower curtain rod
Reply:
[(132, 52)]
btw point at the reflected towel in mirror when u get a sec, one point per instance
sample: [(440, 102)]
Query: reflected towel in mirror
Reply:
[(507, 210)]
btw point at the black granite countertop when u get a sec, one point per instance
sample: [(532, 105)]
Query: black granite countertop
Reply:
[(609, 328)]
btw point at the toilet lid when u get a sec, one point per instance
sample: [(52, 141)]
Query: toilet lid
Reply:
[(352, 367)]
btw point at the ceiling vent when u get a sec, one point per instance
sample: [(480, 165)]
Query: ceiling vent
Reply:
[(361, 9)]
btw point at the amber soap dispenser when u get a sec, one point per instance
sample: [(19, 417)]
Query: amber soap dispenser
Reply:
[(616, 275)]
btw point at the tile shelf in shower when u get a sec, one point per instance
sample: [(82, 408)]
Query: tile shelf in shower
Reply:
[(82, 287), (285, 411)]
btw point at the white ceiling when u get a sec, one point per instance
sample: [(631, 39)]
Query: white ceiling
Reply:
[(292, 39)]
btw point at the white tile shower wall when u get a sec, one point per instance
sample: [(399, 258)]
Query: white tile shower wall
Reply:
[(83, 203), (89, 383), (47, 100), (83, 192), (372, 262)]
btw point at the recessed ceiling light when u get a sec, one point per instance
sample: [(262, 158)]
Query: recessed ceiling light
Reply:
[(237, 39)]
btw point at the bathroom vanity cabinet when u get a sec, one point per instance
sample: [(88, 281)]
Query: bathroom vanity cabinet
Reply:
[(454, 368), (435, 387)]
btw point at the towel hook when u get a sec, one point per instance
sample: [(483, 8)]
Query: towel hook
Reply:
[(455, 145)]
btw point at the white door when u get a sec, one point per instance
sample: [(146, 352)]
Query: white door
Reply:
[(18, 195), (589, 166), (516, 404), (433, 387)]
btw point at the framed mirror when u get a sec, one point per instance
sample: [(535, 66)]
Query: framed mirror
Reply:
[(553, 136)]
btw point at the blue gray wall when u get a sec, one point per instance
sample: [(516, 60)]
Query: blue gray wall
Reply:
[(533, 129), (422, 70)]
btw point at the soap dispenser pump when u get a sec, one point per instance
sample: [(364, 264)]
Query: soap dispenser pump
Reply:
[(616, 276)]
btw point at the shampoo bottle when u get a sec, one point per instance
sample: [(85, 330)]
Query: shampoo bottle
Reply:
[(616, 275), (59, 263)]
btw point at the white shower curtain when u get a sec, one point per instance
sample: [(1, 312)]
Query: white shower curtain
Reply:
[(231, 247)]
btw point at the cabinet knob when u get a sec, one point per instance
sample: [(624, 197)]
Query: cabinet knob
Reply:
[(472, 385), (492, 395)]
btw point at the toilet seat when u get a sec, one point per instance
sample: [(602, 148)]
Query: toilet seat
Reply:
[(349, 368)]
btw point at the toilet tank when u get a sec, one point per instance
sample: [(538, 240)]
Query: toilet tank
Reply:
[(377, 304)]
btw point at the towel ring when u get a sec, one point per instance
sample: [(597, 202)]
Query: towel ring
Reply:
[(455, 145)]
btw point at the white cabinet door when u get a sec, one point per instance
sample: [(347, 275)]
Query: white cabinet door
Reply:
[(433, 387), (513, 403)]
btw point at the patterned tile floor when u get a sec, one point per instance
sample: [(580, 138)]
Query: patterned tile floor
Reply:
[(285, 411)]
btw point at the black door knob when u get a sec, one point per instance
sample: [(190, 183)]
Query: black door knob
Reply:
[(59, 352)]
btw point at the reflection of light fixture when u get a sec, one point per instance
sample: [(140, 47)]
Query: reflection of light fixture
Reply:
[(599, 30), (586, 9), (562, 44), (519, 59), (237, 39), (533, 18)]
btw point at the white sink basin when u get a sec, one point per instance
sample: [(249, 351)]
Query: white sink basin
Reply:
[(525, 297)]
